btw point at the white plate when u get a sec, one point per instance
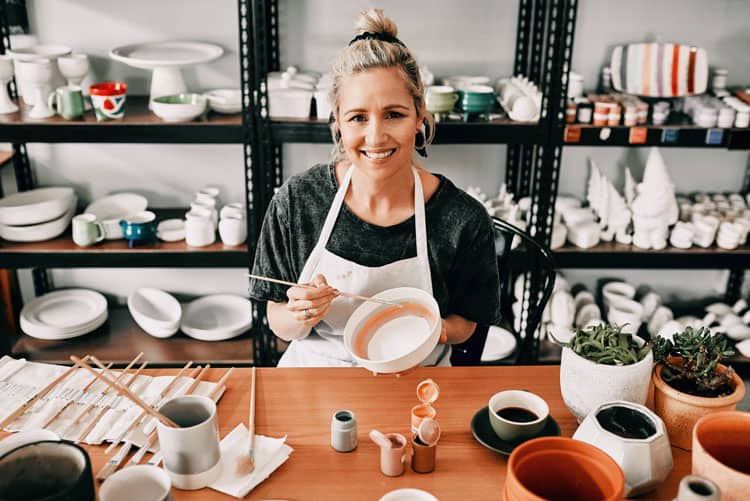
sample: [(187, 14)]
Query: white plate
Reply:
[(64, 314), (217, 317), (35, 206), (159, 54), (39, 232), (110, 209), (155, 311), (37, 51), (408, 494), (225, 100), (500, 344)]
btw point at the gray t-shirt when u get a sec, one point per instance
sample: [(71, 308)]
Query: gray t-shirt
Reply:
[(460, 243)]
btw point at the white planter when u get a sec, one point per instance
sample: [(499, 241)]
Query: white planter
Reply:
[(586, 385), (646, 462)]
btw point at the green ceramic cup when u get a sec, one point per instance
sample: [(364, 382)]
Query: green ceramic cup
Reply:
[(476, 99), (67, 102), (440, 98)]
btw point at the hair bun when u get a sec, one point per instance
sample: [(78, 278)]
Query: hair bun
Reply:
[(374, 21)]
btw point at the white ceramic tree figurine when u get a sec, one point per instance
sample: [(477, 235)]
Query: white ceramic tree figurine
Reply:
[(630, 186), (598, 198), (655, 206), (619, 217)]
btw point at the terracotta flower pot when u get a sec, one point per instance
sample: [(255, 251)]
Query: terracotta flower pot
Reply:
[(721, 452), (561, 468), (680, 410)]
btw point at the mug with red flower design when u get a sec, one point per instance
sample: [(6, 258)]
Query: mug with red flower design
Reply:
[(108, 99)]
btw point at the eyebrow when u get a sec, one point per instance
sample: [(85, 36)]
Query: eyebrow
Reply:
[(389, 107)]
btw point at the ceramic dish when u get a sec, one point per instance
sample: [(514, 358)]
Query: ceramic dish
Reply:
[(485, 435), (179, 107), (25, 437), (374, 332), (500, 344), (155, 311), (217, 317), (111, 209), (408, 494), (64, 314), (157, 54), (171, 230), (35, 206), (225, 100), (39, 232)]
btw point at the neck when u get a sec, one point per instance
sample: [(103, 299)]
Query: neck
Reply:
[(382, 200)]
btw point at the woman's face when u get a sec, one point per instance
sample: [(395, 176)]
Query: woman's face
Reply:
[(378, 121)]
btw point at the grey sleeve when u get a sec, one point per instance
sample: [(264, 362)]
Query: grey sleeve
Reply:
[(273, 256), (475, 291)]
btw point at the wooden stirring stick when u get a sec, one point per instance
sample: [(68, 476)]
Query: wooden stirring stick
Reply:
[(124, 391), (308, 286), (41, 393), (246, 462)]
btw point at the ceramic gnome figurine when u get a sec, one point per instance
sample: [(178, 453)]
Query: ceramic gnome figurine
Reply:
[(655, 206)]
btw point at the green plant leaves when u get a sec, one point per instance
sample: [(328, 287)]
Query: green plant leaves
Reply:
[(606, 344)]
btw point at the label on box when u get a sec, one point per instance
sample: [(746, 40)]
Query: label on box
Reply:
[(714, 136), (670, 136), (638, 135), (572, 134)]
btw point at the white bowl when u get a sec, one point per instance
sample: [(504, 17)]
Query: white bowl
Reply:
[(179, 107), (39, 232), (408, 494), (395, 352), (35, 206), (217, 317), (225, 100), (111, 209), (155, 311)]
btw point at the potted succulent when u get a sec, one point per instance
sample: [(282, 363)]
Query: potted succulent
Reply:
[(601, 364), (690, 382)]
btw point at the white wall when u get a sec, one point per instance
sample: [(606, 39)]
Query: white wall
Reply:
[(476, 37)]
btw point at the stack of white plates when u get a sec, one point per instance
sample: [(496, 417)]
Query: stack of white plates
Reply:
[(155, 311), (217, 317), (36, 215), (64, 314)]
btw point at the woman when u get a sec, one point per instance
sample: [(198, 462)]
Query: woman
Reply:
[(373, 219)]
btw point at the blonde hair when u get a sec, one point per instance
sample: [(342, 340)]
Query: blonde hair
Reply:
[(363, 54)]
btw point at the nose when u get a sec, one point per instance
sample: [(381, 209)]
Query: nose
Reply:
[(376, 132)]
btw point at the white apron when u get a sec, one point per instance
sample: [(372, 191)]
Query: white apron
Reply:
[(324, 347)]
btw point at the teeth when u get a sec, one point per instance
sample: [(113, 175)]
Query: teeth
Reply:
[(374, 155)]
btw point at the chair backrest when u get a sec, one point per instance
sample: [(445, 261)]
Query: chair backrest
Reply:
[(530, 257)]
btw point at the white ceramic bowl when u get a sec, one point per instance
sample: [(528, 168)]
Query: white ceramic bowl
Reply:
[(408, 494), (403, 351), (35, 206), (155, 311), (171, 230), (217, 317), (179, 107), (225, 100), (39, 232), (111, 209)]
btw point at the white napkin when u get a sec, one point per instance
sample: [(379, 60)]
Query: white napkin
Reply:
[(270, 453)]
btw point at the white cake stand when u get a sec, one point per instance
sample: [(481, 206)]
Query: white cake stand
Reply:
[(165, 59)]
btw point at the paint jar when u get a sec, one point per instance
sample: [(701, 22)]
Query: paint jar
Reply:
[(615, 115), (601, 113), (427, 392), (719, 80), (423, 456), (585, 110), (344, 431), (570, 112), (393, 459)]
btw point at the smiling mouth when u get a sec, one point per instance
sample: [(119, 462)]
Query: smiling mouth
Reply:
[(378, 155)]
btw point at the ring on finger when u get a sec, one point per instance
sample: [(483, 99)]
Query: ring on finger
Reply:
[(308, 314)]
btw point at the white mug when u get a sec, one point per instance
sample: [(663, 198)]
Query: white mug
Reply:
[(142, 482), (199, 230), (233, 230), (192, 454), (87, 230)]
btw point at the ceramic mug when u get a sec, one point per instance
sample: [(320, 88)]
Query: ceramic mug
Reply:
[(108, 99), (142, 482), (192, 455), (519, 401), (233, 230), (47, 470), (87, 230), (199, 229), (139, 227), (67, 102), (440, 98)]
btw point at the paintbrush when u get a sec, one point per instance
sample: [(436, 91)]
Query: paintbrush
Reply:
[(246, 463)]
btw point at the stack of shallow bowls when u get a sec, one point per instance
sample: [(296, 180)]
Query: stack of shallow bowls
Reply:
[(155, 311), (64, 314), (36, 215)]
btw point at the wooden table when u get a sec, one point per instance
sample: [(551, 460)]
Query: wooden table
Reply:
[(299, 403)]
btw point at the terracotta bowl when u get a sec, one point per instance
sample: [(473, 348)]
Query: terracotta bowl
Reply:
[(562, 468), (721, 452)]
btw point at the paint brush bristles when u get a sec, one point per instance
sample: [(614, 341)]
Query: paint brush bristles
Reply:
[(246, 463)]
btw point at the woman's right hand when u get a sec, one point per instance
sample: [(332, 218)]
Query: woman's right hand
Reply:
[(310, 305)]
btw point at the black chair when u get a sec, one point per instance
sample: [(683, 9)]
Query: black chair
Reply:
[(530, 256)]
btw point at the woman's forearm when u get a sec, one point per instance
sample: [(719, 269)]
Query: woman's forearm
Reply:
[(458, 329), (284, 323)]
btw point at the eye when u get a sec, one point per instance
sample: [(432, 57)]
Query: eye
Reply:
[(394, 114), (357, 118)]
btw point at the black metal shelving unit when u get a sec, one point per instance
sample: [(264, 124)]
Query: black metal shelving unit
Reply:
[(120, 335)]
